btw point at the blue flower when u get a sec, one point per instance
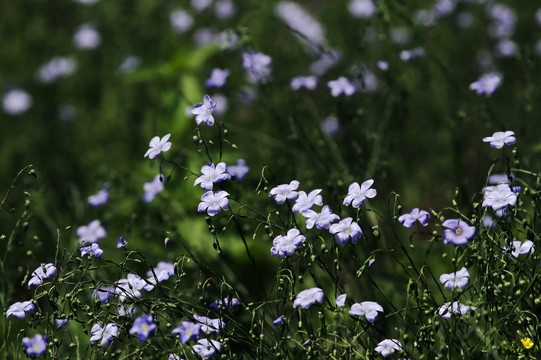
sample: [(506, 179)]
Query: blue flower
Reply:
[(306, 202), (212, 203), (341, 86), (322, 220), (105, 333), (499, 197), (120, 243), (239, 170), (162, 271), (35, 346), (104, 293), (131, 286), (500, 138), (414, 215), (144, 327), (157, 146), (486, 84), (309, 297), (388, 347), (217, 78), (345, 230), (152, 188), (519, 248), (458, 232), (100, 197), (43, 272), (212, 174), (204, 111), (341, 300), (61, 322), (284, 192), (456, 308), (257, 66), (19, 309), (206, 348), (231, 302), (174, 357), (91, 233), (187, 330), (209, 325), (455, 280), (279, 320), (92, 250), (286, 245), (358, 194), (308, 82), (367, 308)]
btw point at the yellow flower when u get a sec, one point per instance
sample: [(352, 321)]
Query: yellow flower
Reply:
[(527, 342)]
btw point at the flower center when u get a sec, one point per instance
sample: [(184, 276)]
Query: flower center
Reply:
[(458, 231)]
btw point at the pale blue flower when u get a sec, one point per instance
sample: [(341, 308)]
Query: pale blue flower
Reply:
[(61, 322), (286, 245), (368, 309), (157, 146), (35, 346), (19, 309), (56, 68), (307, 201), (100, 197), (16, 102), (239, 170), (104, 293), (187, 330), (345, 230), (213, 203), (204, 111), (86, 37), (358, 194), (120, 243), (217, 78), (257, 66), (309, 297), (501, 138), (363, 9), (91, 233), (458, 232), (341, 86), (212, 174), (308, 82), (131, 286), (144, 327), (414, 215), (486, 84), (407, 55), (181, 20), (519, 248), (226, 302), (104, 334), (92, 250), (152, 188), (279, 320), (322, 220), (206, 348), (454, 308), (388, 347), (174, 357), (499, 197), (284, 192), (43, 272), (455, 280), (163, 271), (341, 300), (209, 325)]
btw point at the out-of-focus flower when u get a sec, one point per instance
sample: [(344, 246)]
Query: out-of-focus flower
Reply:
[(330, 125), (497, 179), (400, 35), (257, 66), (200, 5), (307, 201), (454, 308), (239, 170), (93, 250), (174, 357), (152, 188), (308, 82), (519, 248), (43, 272), (35, 346), (486, 84), (503, 21), (181, 21), (130, 64), (144, 327), (86, 2), (224, 9), (104, 293), (455, 280), (61, 322), (406, 55), (186, 331), (309, 297), (16, 102), (325, 62), (209, 325), (284, 192), (157, 146), (286, 245), (506, 48), (501, 138), (206, 348), (105, 334), (217, 78), (19, 309), (388, 347), (362, 8), (341, 300), (225, 302), (458, 232), (369, 309), (212, 174), (345, 230), (91, 233), (204, 111), (163, 271), (67, 113), (301, 22), (341, 86), (213, 203), (100, 197), (358, 194), (56, 68), (86, 37), (414, 215), (383, 65)]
